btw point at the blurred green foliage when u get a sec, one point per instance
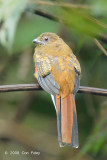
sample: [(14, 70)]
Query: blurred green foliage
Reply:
[(10, 12), (34, 110)]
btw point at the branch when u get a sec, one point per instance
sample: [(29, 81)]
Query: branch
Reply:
[(46, 15), (100, 46), (32, 87), (68, 5)]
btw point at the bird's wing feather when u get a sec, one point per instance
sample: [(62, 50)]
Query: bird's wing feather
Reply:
[(44, 76), (77, 82), (76, 63)]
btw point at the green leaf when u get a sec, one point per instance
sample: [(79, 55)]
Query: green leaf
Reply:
[(82, 22), (10, 12)]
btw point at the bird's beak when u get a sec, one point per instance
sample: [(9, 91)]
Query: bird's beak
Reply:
[(36, 41)]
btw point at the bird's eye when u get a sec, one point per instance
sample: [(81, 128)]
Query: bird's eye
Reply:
[(46, 39)]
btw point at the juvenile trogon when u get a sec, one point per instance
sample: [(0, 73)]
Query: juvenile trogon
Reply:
[(57, 71)]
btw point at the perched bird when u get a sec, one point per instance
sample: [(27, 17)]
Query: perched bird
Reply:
[(57, 71)]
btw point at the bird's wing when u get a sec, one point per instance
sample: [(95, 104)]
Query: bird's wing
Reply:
[(76, 63), (44, 75), (77, 73), (77, 82)]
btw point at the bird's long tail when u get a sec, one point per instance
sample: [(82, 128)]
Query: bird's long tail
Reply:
[(67, 121)]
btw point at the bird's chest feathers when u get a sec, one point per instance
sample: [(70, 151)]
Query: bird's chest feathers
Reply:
[(55, 50)]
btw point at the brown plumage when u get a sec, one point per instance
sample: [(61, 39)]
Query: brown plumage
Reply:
[(57, 71)]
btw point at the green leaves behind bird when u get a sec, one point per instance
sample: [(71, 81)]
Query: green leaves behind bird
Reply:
[(10, 12), (82, 22)]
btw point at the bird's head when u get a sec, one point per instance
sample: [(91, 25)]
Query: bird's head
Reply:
[(46, 38)]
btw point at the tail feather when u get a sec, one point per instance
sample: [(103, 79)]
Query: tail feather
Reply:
[(74, 139), (58, 111), (67, 121)]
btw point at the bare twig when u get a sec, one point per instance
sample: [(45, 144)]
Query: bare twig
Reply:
[(100, 46), (46, 15), (92, 90), (31, 87), (19, 87), (68, 5)]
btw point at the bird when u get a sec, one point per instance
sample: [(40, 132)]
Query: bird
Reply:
[(58, 73)]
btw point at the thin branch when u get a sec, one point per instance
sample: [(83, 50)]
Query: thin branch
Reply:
[(68, 5), (32, 87), (100, 46), (19, 87), (46, 15)]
